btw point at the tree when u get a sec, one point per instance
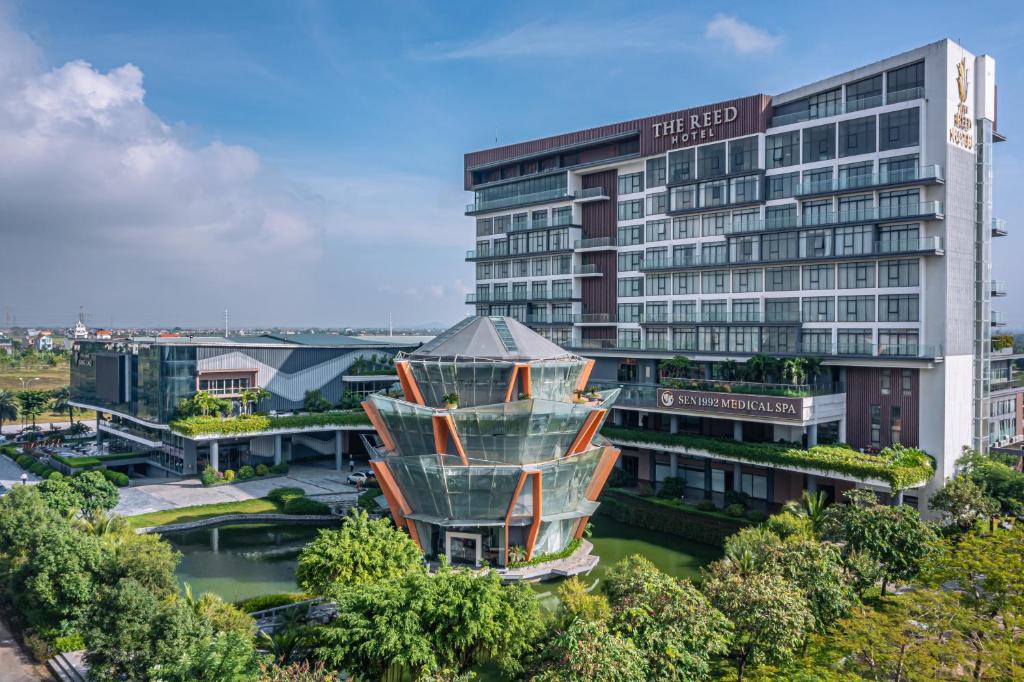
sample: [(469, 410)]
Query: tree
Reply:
[(677, 367), (988, 568), (769, 614), (62, 402), (87, 491), (574, 602), (314, 401), (894, 536), (811, 506), (33, 403), (963, 502), (793, 369), (729, 370), (671, 623), (997, 477), (759, 368), (586, 651), (359, 551), (147, 559), (8, 407)]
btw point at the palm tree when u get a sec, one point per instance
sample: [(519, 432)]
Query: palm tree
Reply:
[(62, 402), (729, 369), (811, 507), (812, 368), (33, 404), (793, 369), (675, 368), (8, 407), (259, 394), (103, 524)]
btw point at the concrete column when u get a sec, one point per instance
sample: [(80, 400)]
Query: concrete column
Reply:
[(641, 419), (674, 466), (707, 479), (337, 450), (673, 424), (812, 435), (771, 486), (214, 455), (737, 473), (277, 449), (215, 540), (737, 431), (99, 434), (842, 430), (899, 498), (812, 484), (617, 417)]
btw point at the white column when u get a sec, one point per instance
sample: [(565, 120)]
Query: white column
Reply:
[(674, 466), (215, 540), (337, 450), (812, 484), (673, 424), (812, 435), (617, 417), (842, 430), (214, 455), (737, 431), (899, 497), (737, 473), (277, 449)]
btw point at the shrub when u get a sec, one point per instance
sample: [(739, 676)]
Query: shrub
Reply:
[(285, 493), (706, 505), (269, 601), (251, 423), (736, 510), (261, 470), (372, 483), (618, 479), (115, 477), (756, 515), (10, 451), (644, 489), (672, 487), (305, 506), (209, 475), (72, 642), (246, 472), (281, 468), (368, 500), (737, 497), (229, 475), (24, 461), (40, 649), (54, 476)]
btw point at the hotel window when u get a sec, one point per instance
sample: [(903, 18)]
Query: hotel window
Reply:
[(656, 172), (500, 292), (898, 308), (680, 165), (714, 193), (520, 221), (630, 210), (779, 246), (743, 154), (817, 212), (815, 181), (895, 424), (521, 191), (559, 239), (780, 217), (744, 190), (819, 277), (500, 247), (875, 412), (684, 339), (684, 311), (815, 244), (682, 198), (819, 309), (630, 312), (819, 143), (857, 136), (745, 339), (906, 382), (630, 260), (501, 269), (561, 265), (856, 308), (825, 104), (885, 381), (519, 291), (854, 175), (817, 341), (561, 288), (746, 281), (754, 485), (561, 216), (778, 340), (898, 129), (657, 203), (715, 224), (628, 147), (540, 267), (864, 94), (714, 254), (856, 275), (854, 240), (538, 242), (711, 160), (782, 310), (684, 283), (895, 238), (686, 228), (746, 310), (714, 311), (898, 273), (715, 282), (631, 183), (519, 243), (684, 254), (539, 291), (782, 186), (501, 224), (713, 338), (899, 204), (656, 312), (856, 209), (657, 230), (658, 285), (657, 339), (898, 342), (782, 279), (629, 338), (561, 313), (631, 235), (899, 168), (782, 150), (483, 248), (744, 250), (745, 221), (854, 342), (905, 80), (483, 270), (539, 219), (629, 287), (484, 227)]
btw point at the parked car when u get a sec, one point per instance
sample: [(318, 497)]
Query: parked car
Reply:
[(356, 478), (368, 473)]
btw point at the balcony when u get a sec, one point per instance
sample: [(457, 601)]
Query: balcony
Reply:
[(998, 227), (588, 270), (594, 318), (492, 254), (581, 196), (707, 317), (595, 244), (908, 351), (830, 218), (998, 318), (484, 205), (998, 288), (544, 319), (520, 298), (532, 226), (923, 175), (848, 107)]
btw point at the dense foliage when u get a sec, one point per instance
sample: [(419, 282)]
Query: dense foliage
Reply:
[(252, 423)]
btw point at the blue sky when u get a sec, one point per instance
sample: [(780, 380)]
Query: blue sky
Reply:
[(304, 159)]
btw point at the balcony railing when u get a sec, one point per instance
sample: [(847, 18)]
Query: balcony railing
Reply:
[(718, 317), (480, 254), (998, 227), (588, 269), (834, 349), (853, 182), (645, 395), (830, 217), (533, 225), (518, 298), (850, 106), (518, 200), (589, 193), (998, 288), (594, 318), (998, 318), (595, 243)]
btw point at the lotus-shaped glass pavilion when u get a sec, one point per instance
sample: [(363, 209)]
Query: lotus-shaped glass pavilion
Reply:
[(494, 446)]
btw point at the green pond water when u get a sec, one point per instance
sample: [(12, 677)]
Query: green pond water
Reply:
[(242, 561)]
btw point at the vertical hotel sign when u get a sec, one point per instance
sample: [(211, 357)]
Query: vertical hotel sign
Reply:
[(961, 130)]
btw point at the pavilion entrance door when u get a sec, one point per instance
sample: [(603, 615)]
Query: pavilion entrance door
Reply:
[(463, 548)]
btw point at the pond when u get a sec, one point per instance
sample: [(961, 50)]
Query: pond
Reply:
[(242, 561)]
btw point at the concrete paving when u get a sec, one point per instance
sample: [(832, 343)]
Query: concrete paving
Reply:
[(158, 494), (15, 665), (10, 473)]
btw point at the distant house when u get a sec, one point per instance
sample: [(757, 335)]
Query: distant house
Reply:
[(81, 331), (104, 334), (6, 345), (43, 342), (168, 335)]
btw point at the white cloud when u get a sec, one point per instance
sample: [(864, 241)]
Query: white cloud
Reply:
[(740, 36)]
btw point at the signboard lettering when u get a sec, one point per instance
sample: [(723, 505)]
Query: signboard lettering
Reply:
[(694, 127), (769, 407)]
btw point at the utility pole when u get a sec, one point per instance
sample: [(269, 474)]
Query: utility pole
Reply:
[(391, 326), (225, 323)]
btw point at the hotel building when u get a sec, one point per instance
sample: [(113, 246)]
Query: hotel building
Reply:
[(849, 220)]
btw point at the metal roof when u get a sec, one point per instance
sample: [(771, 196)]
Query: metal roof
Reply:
[(491, 338)]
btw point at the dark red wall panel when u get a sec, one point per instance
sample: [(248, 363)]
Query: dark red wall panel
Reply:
[(864, 389), (599, 220)]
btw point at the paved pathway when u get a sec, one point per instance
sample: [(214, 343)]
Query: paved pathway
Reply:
[(15, 666), (157, 494), (10, 474)]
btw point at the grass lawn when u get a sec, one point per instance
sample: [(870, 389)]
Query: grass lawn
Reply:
[(50, 378), (260, 505)]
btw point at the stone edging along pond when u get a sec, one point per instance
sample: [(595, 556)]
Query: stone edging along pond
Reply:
[(234, 518)]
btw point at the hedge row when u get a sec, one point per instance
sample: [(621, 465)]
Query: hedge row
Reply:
[(270, 601), (900, 467), (565, 553), (710, 529), (115, 477), (250, 423)]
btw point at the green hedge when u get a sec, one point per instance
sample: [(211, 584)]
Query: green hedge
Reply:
[(269, 601), (573, 545), (78, 462), (250, 423), (900, 467), (710, 528), (9, 450), (286, 493), (305, 506), (115, 477)]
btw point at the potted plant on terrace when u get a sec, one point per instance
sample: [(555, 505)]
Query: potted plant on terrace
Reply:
[(451, 400)]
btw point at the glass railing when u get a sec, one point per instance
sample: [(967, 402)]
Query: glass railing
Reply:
[(906, 350), (640, 395), (515, 298), (589, 269), (862, 103), (850, 106), (904, 95), (719, 317), (998, 317), (505, 202), (539, 225), (830, 217), (867, 180), (998, 227), (594, 318), (595, 243), (589, 193), (998, 288), (909, 244)]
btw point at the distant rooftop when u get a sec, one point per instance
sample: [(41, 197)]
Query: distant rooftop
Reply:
[(491, 338), (316, 340)]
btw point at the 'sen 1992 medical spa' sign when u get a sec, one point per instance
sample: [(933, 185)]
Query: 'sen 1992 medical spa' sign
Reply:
[(731, 404)]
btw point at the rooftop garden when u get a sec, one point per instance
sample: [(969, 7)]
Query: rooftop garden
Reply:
[(251, 423), (899, 466), (373, 365), (760, 375), (1002, 341)]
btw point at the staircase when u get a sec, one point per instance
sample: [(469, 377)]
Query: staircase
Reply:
[(69, 667)]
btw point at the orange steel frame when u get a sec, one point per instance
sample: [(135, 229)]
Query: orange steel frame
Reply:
[(522, 372), (538, 509), (396, 502), (378, 423), (581, 383), (409, 386), (597, 481), (587, 432), (444, 427)]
